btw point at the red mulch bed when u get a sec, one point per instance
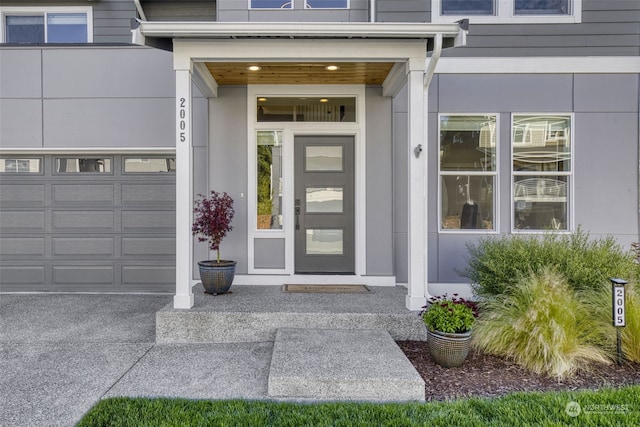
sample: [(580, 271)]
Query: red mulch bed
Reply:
[(483, 375)]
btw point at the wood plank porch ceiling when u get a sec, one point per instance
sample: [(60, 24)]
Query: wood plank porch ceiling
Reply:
[(236, 73)]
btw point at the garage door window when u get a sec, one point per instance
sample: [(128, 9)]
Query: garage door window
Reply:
[(83, 165), (149, 164), (21, 165)]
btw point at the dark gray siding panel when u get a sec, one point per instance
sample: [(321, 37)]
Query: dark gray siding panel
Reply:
[(608, 28), (112, 21), (21, 123), (187, 10), (403, 11)]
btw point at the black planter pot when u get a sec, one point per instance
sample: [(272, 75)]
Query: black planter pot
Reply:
[(217, 277)]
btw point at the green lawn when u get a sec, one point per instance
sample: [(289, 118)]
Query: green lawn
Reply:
[(607, 407)]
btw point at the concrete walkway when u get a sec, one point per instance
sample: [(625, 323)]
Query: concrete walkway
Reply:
[(61, 354)]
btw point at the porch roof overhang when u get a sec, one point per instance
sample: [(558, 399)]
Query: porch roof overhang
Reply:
[(367, 53)]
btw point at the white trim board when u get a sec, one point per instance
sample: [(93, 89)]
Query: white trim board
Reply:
[(540, 65), (311, 279)]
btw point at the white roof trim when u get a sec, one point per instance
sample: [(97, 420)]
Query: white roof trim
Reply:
[(299, 29), (539, 65)]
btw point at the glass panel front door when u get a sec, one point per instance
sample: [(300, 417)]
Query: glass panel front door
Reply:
[(324, 205)]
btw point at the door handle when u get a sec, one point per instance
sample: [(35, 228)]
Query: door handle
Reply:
[(297, 214)]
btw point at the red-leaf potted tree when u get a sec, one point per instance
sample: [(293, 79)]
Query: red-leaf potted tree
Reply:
[(211, 223)]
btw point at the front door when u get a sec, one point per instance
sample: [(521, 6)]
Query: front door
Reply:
[(324, 205)]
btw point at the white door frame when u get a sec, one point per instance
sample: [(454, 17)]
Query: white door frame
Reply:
[(290, 131)]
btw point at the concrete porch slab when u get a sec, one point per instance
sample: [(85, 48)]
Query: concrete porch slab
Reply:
[(254, 313), (323, 364)]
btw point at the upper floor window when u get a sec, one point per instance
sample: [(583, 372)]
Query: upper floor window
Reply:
[(326, 4), (507, 11), (46, 25), (270, 4)]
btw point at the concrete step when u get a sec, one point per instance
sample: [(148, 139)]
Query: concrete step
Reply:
[(341, 364), (255, 313)]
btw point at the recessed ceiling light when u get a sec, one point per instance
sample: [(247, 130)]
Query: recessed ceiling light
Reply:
[(332, 68), (262, 99), (254, 68), (324, 100)]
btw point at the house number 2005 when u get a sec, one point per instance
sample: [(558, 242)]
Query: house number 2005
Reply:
[(618, 307), (182, 122)]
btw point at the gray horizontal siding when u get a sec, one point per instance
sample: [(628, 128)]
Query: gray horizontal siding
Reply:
[(608, 28), (187, 10)]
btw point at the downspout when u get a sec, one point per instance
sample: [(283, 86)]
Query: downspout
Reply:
[(139, 9), (136, 35), (428, 76), (372, 10)]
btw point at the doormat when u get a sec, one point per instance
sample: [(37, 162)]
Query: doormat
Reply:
[(326, 289)]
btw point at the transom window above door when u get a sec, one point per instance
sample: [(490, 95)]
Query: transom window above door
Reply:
[(46, 25), (306, 109)]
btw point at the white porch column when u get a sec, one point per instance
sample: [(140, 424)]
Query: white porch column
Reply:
[(184, 183), (416, 297)]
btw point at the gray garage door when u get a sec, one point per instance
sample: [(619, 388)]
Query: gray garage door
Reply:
[(97, 223)]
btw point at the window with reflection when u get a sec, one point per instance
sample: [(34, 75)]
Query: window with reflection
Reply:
[(326, 4), (542, 169), (468, 7), (46, 27), (20, 165), (467, 172), (82, 165), (149, 164), (306, 109), (271, 4), (542, 7), (269, 179)]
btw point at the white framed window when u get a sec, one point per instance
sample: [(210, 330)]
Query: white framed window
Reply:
[(507, 11), (32, 25), (11, 165), (468, 170), (542, 172), (271, 4), (326, 4)]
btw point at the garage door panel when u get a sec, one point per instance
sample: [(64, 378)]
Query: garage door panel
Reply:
[(88, 274), (140, 194), (83, 246), (83, 220), (84, 193), (150, 221), (87, 231), (17, 195), (148, 275), (17, 277), (22, 246), (148, 246), (27, 221)]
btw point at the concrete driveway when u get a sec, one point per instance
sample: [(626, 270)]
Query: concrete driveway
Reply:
[(60, 354)]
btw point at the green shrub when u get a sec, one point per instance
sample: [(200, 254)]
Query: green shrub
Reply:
[(495, 264), (599, 302), (539, 324)]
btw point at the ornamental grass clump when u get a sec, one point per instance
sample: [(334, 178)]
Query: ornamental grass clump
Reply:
[(541, 325), (449, 315), (212, 219)]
